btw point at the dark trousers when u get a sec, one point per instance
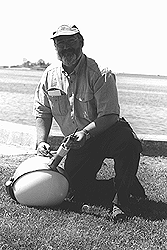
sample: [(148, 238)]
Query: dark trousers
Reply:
[(119, 143)]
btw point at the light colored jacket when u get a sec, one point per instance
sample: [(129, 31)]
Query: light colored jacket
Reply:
[(76, 99)]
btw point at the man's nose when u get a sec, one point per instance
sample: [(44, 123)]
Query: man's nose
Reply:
[(66, 46)]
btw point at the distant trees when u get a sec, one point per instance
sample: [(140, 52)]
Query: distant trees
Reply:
[(26, 63), (39, 64)]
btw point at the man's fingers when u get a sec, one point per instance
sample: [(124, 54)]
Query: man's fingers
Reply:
[(43, 149)]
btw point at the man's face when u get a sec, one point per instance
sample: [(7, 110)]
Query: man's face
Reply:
[(68, 48)]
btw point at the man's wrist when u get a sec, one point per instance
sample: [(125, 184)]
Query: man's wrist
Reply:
[(41, 142), (87, 134)]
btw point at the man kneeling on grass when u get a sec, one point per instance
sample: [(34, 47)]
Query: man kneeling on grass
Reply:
[(78, 95)]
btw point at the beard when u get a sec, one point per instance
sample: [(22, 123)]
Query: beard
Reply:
[(69, 56)]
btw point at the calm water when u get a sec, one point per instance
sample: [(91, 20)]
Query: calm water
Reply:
[(143, 102), (143, 99)]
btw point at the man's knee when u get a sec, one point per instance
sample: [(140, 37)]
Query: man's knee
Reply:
[(130, 140)]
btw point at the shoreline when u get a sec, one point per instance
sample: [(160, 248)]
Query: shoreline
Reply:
[(122, 74), (23, 137), (141, 75)]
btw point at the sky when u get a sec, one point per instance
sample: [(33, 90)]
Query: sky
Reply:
[(124, 35)]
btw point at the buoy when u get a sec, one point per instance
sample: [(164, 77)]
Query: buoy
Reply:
[(35, 184)]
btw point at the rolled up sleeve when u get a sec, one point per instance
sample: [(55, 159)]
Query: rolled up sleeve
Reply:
[(41, 106), (106, 95)]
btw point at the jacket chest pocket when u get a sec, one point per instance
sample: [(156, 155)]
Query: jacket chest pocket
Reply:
[(85, 106), (59, 104)]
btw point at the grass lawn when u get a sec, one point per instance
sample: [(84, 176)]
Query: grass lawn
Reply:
[(23, 227)]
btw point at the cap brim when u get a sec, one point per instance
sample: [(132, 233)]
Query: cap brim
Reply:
[(64, 33)]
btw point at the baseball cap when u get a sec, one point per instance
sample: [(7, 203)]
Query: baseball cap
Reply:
[(65, 30)]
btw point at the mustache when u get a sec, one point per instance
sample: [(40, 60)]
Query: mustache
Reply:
[(68, 51)]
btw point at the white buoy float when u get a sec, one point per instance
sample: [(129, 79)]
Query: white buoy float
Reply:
[(35, 184)]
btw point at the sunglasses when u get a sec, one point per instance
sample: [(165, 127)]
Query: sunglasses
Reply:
[(62, 43)]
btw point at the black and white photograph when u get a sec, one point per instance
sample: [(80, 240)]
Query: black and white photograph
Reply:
[(83, 125)]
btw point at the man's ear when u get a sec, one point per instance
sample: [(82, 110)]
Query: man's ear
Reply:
[(81, 39)]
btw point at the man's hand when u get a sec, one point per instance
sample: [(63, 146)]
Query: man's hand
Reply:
[(79, 140), (43, 149)]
